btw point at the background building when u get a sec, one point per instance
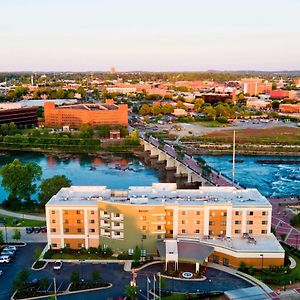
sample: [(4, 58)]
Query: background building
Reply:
[(93, 114), (19, 116), (236, 223), (255, 86)]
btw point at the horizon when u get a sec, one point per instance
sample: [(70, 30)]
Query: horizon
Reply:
[(168, 36)]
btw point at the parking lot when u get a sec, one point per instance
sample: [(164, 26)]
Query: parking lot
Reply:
[(23, 259)]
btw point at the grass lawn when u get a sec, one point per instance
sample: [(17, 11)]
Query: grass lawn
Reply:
[(280, 135), (211, 124), (21, 222)]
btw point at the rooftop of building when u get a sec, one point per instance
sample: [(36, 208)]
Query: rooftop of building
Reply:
[(91, 107), (159, 194), (262, 244)]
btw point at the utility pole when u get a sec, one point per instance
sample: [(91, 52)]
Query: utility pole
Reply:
[(54, 285)]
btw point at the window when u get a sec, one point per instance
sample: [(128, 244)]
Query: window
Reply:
[(92, 230), (67, 245), (80, 245), (66, 230), (211, 213), (223, 232), (210, 232), (78, 212), (159, 236), (130, 251), (52, 221), (250, 222), (144, 237), (264, 222), (79, 230), (117, 233), (237, 222), (211, 223), (159, 227), (250, 213), (183, 212), (264, 231), (238, 213), (250, 231), (183, 231), (197, 231), (226, 262), (197, 222), (183, 222), (215, 259), (66, 221), (237, 231), (265, 213), (92, 221), (224, 213), (223, 223), (92, 212), (54, 245), (198, 213), (78, 221), (143, 218), (53, 230), (117, 215), (143, 227), (53, 212)]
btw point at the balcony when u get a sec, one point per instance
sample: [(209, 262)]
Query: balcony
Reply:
[(104, 215), (105, 233), (104, 224), (117, 217), (117, 235), (119, 226)]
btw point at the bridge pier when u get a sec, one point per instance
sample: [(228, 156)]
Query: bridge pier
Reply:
[(171, 163), (162, 157), (181, 170)]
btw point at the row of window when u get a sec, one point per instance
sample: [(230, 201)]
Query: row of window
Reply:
[(78, 212), (66, 221)]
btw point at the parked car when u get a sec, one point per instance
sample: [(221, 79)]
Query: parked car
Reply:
[(4, 259), (29, 230), (37, 229), (34, 283), (1, 272), (9, 250), (11, 247), (8, 253), (58, 265), (44, 229)]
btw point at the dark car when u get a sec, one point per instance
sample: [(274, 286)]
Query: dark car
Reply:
[(37, 229), (44, 229), (34, 283), (29, 229)]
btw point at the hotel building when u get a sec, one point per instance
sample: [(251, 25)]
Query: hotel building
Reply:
[(229, 225), (94, 114)]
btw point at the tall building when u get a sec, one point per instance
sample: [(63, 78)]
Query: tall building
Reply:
[(112, 70), (233, 225), (93, 114), (256, 86)]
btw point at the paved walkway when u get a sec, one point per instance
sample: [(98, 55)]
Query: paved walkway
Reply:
[(21, 216)]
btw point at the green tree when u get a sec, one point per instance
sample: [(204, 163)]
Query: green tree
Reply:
[(130, 291), (50, 186), (19, 179), (75, 277), (95, 275), (1, 237), (21, 279), (275, 104), (136, 256), (86, 131), (145, 110), (37, 252), (44, 283), (210, 112), (17, 234)]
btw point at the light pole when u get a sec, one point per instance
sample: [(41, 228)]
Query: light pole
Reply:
[(262, 261), (209, 283)]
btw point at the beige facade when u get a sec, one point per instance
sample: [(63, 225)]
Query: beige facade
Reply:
[(219, 216)]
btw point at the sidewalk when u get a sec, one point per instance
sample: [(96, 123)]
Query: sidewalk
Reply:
[(20, 215)]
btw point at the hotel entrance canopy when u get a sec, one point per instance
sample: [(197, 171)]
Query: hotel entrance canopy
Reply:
[(183, 251)]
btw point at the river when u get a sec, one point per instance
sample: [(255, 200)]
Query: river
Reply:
[(87, 170), (270, 179)]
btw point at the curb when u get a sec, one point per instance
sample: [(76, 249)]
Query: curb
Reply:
[(39, 269)]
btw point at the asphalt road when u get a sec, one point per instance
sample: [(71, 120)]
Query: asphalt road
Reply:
[(21, 216)]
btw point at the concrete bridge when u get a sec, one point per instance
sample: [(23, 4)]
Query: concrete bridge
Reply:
[(183, 164)]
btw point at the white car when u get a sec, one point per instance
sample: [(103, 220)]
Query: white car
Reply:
[(4, 259), (58, 265), (11, 247), (1, 272)]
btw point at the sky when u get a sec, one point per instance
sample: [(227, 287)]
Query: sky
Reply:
[(153, 35)]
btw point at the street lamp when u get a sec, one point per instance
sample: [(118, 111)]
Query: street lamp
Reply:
[(262, 261), (209, 283)]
